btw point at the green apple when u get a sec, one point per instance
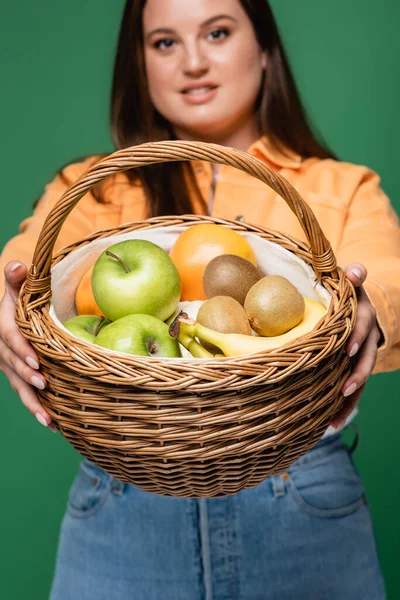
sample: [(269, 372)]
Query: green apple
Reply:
[(136, 277), (86, 327), (143, 335)]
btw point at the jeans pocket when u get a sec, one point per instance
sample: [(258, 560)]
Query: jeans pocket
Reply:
[(327, 486), (89, 490)]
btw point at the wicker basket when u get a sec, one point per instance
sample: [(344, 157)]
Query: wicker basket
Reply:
[(191, 428)]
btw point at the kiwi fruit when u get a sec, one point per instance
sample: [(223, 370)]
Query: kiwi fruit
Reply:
[(223, 314), (274, 306), (229, 275)]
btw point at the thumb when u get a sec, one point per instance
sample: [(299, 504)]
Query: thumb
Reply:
[(15, 274), (357, 273)]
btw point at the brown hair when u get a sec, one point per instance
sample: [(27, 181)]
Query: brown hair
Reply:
[(135, 120)]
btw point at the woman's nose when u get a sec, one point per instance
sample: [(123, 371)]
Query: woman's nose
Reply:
[(195, 61)]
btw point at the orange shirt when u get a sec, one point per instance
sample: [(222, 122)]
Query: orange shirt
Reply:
[(351, 208)]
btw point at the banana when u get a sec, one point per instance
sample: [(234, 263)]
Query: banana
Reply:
[(185, 329), (194, 347)]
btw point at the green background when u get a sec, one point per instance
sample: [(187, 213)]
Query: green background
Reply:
[(56, 61)]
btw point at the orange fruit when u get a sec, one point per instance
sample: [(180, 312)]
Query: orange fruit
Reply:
[(84, 299), (196, 246)]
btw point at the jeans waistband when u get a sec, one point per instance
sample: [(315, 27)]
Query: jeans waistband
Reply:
[(327, 445)]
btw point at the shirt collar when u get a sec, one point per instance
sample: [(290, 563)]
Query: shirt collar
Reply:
[(265, 151)]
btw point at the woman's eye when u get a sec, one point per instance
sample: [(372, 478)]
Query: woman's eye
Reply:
[(218, 34), (164, 44)]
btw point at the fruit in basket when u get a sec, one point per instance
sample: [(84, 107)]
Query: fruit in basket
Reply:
[(140, 334), (191, 308), (84, 300), (86, 327), (136, 277), (230, 275), (197, 246), (274, 306), (223, 314), (185, 329)]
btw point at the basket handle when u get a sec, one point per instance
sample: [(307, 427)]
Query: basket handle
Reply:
[(39, 278)]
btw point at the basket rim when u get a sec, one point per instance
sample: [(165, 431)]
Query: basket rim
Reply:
[(83, 352)]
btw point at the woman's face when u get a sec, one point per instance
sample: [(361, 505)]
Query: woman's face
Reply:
[(204, 65)]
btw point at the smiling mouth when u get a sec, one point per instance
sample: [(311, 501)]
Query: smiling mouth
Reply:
[(200, 90)]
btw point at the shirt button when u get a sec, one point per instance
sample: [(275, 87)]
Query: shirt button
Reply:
[(240, 218)]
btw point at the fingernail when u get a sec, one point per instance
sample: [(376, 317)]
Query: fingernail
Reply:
[(52, 427), (341, 423), (41, 419), (32, 363), (357, 273), (37, 382), (350, 390), (354, 349), (15, 266)]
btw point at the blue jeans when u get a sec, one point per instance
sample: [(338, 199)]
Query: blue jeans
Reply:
[(304, 535)]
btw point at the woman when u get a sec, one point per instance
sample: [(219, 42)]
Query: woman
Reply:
[(217, 72)]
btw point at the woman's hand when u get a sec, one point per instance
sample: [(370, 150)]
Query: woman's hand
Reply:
[(18, 360), (363, 342)]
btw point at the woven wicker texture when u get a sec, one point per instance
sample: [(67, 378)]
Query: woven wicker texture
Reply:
[(181, 427)]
